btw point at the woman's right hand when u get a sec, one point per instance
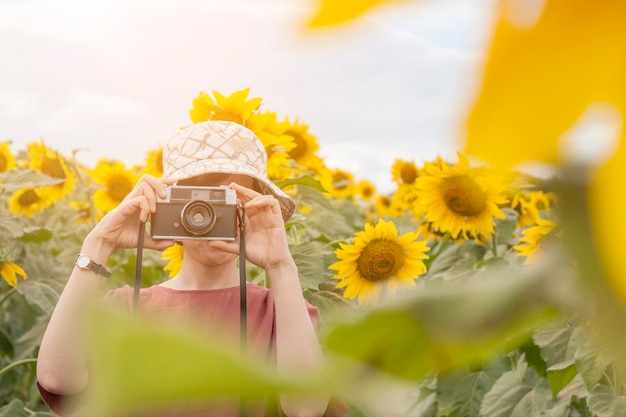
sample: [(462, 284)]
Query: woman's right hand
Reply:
[(119, 228)]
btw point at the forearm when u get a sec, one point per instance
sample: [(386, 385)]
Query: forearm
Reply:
[(62, 359), (298, 351)]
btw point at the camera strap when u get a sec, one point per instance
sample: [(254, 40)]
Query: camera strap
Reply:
[(138, 263), (243, 292)]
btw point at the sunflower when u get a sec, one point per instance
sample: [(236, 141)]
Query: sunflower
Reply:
[(234, 108), (9, 272), (338, 183), (173, 254), (7, 159), (52, 164), (460, 200), (29, 200), (387, 206), (530, 205), (366, 190), (306, 145), (153, 163), (531, 242), (115, 181), (378, 259), (277, 144), (82, 211), (404, 172)]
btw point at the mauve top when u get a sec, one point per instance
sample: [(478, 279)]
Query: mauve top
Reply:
[(218, 311)]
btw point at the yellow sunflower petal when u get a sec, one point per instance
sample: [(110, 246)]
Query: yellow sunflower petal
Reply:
[(569, 59), (335, 12), (9, 272)]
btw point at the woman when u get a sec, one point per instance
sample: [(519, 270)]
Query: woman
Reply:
[(281, 324)]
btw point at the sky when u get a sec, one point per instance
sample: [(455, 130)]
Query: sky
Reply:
[(114, 78)]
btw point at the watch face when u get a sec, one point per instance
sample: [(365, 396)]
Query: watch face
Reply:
[(83, 261)]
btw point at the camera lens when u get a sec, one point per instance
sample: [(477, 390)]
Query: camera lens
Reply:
[(198, 217)]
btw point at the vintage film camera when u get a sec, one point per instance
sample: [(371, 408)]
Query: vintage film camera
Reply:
[(201, 213)]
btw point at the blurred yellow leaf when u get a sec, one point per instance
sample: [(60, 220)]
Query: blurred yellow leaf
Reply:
[(332, 12), (538, 81), (606, 202)]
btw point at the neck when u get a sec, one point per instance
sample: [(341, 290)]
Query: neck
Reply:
[(199, 277)]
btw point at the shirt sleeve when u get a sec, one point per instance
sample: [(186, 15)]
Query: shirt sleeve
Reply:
[(63, 405)]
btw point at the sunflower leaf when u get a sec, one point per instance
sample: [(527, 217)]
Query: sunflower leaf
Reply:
[(604, 402), (18, 179), (516, 395), (446, 327), (306, 180), (127, 380)]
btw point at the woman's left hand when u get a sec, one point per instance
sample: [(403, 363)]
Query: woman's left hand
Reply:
[(266, 239)]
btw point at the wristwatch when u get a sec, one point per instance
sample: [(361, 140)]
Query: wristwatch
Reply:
[(84, 262)]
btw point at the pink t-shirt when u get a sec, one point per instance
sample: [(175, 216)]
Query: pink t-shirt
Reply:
[(218, 311)]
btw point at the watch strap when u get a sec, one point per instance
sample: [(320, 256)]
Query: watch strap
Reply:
[(94, 267)]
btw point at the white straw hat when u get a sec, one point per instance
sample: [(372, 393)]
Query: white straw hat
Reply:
[(221, 147)]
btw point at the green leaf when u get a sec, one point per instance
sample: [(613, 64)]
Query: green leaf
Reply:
[(22, 178), (306, 180), (425, 403), (132, 368), (10, 226), (558, 342), (532, 353), (35, 235), (443, 328), (506, 227), (513, 396), (560, 375), (461, 394), (604, 402), (41, 293), (308, 257), (13, 409), (592, 362)]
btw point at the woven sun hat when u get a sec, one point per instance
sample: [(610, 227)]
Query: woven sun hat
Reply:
[(221, 147)]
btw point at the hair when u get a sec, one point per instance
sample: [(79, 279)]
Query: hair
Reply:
[(218, 178)]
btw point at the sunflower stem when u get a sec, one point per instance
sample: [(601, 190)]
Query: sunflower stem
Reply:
[(7, 295), (440, 248), (17, 363), (494, 245)]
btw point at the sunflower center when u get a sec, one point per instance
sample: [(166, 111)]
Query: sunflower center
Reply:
[(408, 174), (53, 168), (367, 192), (380, 260), (118, 187), (463, 196), (340, 181), (227, 116), (301, 147), (28, 198)]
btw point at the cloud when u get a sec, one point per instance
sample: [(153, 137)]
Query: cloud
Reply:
[(118, 77)]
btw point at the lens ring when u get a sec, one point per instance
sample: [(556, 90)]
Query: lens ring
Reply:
[(198, 217)]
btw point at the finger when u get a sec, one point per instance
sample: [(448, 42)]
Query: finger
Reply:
[(151, 187), (157, 244), (264, 201), (242, 191), (137, 204)]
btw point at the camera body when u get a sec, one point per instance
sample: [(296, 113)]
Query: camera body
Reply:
[(200, 213)]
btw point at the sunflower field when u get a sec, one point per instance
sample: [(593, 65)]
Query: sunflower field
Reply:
[(473, 289)]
